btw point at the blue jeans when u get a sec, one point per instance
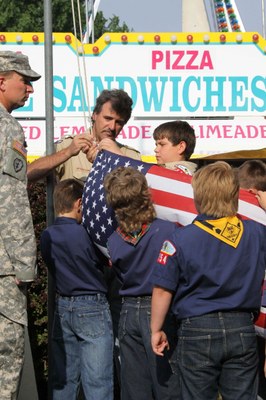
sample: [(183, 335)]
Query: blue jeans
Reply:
[(144, 376), (82, 348), (218, 351), (115, 303)]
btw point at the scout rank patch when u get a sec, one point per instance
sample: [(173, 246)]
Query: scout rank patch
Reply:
[(168, 249)]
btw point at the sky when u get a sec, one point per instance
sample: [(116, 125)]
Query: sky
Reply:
[(166, 15)]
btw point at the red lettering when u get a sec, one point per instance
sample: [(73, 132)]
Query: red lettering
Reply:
[(193, 54), (206, 60), (227, 130), (180, 55), (33, 132), (263, 131), (254, 134), (122, 134), (239, 132), (133, 132), (144, 130), (213, 130), (180, 59), (64, 130), (157, 57), (77, 130)]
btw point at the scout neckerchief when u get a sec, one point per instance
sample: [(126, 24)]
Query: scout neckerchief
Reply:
[(133, 237), (227, 229)]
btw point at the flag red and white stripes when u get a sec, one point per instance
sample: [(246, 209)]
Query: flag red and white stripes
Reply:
[(171, 192)]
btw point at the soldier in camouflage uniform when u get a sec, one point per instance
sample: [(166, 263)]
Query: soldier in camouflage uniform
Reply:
[(17, 239)]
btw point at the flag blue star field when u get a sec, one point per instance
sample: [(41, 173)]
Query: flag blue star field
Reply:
[(171, 193), (97, 217)]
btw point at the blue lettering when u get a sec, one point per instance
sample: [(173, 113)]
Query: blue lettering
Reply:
[(155, 97), (132, 90), (238, 84), (186, 93), (218, 93), (259, 92), (78, 96), (175, 91), (60, 94), (98, 86)]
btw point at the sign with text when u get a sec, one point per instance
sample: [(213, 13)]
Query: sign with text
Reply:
[(217, 82)]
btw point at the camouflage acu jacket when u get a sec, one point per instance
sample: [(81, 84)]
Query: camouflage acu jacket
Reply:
[(17, 239)]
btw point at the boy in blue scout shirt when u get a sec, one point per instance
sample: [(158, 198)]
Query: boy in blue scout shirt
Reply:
[(132, 250), (212, 271), (252, 178), (82, 338)]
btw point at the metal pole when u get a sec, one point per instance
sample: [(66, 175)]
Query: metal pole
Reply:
[(92, 21), (48, 57)]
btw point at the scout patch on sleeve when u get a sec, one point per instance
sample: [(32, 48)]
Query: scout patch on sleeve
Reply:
[(182, 168), (168, 249), (15, 163)]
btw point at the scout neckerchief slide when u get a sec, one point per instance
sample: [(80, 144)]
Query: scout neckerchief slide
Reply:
[(227, 229)]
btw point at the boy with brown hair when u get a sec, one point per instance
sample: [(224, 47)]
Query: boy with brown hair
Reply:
[(132, 250), (175, 143), (82, 336), (252, 175), (261, 196)]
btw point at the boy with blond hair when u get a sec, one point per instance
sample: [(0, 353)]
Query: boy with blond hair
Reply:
[(212, 271)]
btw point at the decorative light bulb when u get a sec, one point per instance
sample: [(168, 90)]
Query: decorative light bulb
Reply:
[(68, 39)]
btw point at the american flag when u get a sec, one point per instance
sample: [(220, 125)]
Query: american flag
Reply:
[(98, 218), (171, 192), (260, 323)]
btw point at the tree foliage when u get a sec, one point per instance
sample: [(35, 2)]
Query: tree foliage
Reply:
[(103, 25), (28, 16), (38, 293)]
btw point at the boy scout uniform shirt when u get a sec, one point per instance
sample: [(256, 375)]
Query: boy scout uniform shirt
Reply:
[(17, 238), (75, 264), (208, 275), (133, 260), (78, 166), (187, 167)]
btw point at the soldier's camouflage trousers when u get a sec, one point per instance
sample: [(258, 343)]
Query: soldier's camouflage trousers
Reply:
[(11, 357)]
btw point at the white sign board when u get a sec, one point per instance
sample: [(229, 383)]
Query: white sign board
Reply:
[(217, 82)]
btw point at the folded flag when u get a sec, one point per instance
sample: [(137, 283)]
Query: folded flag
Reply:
[(171, 192)]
